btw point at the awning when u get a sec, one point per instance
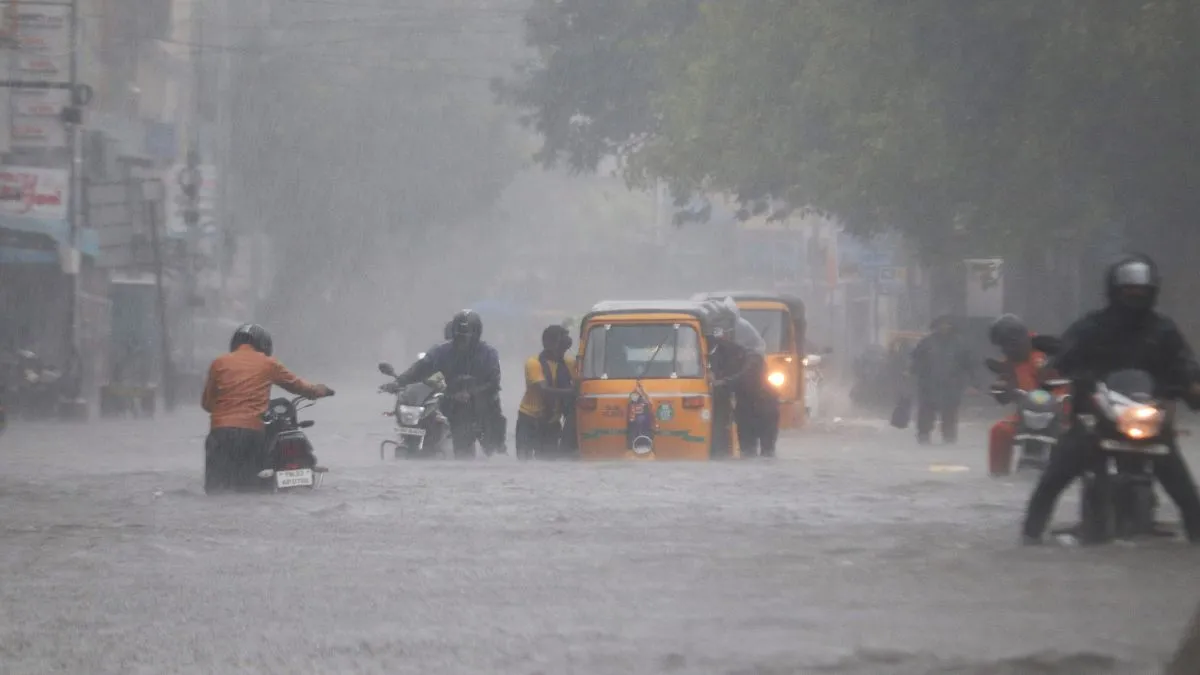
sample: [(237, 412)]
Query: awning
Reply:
[(56, 229)]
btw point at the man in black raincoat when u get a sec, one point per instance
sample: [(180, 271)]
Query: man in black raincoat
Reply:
[(942, 366)]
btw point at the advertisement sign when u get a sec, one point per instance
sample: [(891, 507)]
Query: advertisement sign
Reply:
[(40, 102), (38, 132), (44, 55), (44, 42), (33, 193)]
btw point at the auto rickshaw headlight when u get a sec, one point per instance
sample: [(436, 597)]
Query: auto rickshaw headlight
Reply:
[(776, 379)]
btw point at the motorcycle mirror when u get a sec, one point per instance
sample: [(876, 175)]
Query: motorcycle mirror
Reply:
[(994, 365), (387, 369), (306, 424)]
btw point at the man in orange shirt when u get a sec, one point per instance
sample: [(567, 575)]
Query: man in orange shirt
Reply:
[(1016, 343), (235, 396)]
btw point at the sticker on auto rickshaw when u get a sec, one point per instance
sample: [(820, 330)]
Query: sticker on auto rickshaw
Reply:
[(665, 412)]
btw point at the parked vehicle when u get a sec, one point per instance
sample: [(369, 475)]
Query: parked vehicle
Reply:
[(290, 461), (422, 431)]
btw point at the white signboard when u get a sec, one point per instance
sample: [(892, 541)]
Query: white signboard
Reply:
[(985, 287), (33, 193), (177, 201)]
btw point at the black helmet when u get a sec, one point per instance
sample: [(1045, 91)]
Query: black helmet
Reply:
[(1006, 329), (466, 324), (254, 335), (1132, 283), (1011, 335)]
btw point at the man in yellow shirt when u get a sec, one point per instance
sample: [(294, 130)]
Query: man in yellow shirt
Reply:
[(549, 395)]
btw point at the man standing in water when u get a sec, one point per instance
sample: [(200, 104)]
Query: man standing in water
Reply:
[(942, 367), (549, 395)]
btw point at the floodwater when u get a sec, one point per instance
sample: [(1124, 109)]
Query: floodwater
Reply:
[(856, 551)]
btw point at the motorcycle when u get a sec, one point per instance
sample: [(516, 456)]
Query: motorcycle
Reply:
[(1041, 418), (36, 388), (421, 428), (289, 456), (1132, 428)]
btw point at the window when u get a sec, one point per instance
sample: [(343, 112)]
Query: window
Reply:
[(774, 327), (651, 351)]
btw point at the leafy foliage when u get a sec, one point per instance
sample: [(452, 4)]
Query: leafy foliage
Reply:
[(966, 125)]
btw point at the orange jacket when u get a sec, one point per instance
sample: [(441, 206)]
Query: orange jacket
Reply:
[(239, 387)]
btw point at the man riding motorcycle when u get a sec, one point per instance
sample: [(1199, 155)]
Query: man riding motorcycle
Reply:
[(236, 395), (1126, 334), (466, 354), (1009, 334)]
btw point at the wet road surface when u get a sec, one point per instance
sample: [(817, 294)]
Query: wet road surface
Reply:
[(854, 552)]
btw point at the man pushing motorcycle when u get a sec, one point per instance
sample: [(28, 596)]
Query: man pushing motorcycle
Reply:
[(465, 358), (235, 396), (1024, 371)]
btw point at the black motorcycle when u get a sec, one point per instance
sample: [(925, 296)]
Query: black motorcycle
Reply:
[(1131, 428), (421, 428), (1041, 418), (290, 460)]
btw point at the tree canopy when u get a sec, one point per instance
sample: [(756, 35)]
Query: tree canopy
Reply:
[(962, 124)]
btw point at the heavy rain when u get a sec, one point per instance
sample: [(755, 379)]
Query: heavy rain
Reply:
[(662, 233)]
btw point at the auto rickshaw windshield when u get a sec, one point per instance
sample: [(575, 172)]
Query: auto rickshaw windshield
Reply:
[(642, 350), (774, 325)]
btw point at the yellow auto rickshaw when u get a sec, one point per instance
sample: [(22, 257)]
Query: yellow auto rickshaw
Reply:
[(779, 319), (644, 385)]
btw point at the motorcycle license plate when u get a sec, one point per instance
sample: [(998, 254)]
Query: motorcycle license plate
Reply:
[(296, 478), (412, 431), (1121, 446)]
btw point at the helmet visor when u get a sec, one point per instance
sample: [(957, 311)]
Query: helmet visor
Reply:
[(1134, 274)]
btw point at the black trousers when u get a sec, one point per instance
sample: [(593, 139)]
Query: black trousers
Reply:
[(757, 418), (932, 407), (722, 418), (1072, 457), (538, 438), (232, 459), (493, 425)]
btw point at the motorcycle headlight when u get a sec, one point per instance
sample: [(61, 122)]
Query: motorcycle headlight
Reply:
[(1036, 420), (410, 414), (776, 379), (280, 409), (1140, 421)]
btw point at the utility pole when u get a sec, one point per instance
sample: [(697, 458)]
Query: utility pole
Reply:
[(192, 184), (152, 191)]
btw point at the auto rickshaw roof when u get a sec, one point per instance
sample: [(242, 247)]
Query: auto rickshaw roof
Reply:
[(794, 304), (688, 307)]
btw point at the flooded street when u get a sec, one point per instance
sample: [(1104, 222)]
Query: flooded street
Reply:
[(854, 552)]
